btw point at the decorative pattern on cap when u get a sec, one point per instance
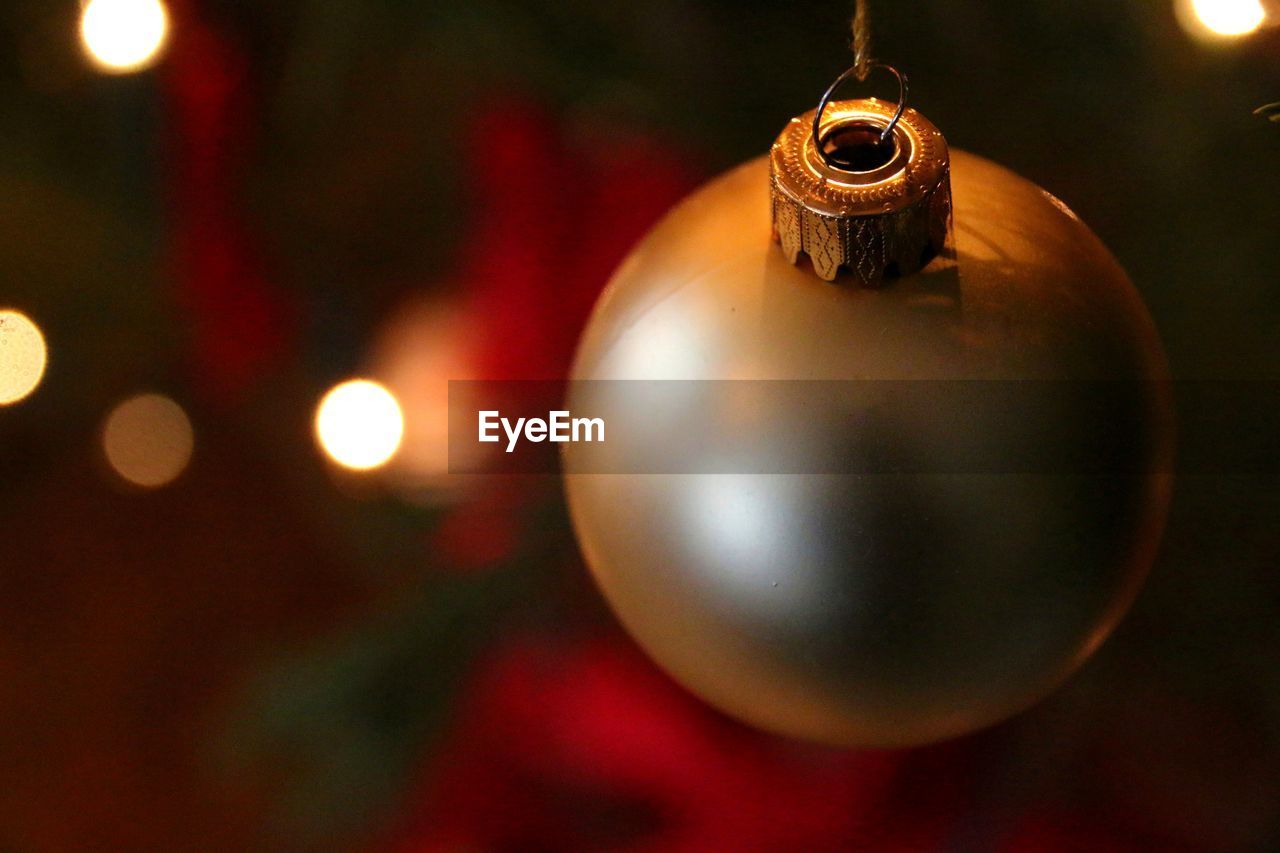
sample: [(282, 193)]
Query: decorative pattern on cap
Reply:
[(889, 220)]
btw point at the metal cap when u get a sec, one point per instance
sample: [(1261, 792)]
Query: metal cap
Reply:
[(877, 204)]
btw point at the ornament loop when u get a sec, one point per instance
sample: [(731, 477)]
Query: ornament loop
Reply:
[(830, 93)]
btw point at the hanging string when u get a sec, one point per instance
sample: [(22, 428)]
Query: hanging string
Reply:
[(862, 67), (862, 60)]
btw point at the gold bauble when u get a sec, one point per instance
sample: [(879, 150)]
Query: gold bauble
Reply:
[(874, 608)]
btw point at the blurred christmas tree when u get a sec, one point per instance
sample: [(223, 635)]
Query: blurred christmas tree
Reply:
[(276, 653)]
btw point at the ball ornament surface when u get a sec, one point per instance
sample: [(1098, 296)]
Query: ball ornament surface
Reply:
[(876, 606)]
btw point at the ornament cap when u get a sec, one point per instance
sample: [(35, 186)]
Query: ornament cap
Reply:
[(875, 203)]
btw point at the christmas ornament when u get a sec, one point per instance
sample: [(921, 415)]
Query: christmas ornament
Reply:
[(882, 605)]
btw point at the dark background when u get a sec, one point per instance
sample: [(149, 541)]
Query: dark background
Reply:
[(272, 654)]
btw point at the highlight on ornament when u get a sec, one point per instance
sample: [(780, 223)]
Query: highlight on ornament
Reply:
[(1221, 19), (23, 356), (124, 36), (148, 440), (359, 425)]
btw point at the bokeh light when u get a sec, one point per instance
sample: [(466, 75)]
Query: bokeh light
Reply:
[(359, 425), (427, 342), (22, 356), (1221, 18), (122, 36), (148, 440)]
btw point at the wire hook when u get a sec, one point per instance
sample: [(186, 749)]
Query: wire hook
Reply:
[(853, 71)]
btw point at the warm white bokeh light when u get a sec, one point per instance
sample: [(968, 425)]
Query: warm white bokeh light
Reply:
[(148, 440), (426, 343), (22, 356), (1222, 18), (359, 425), (124, 35)]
